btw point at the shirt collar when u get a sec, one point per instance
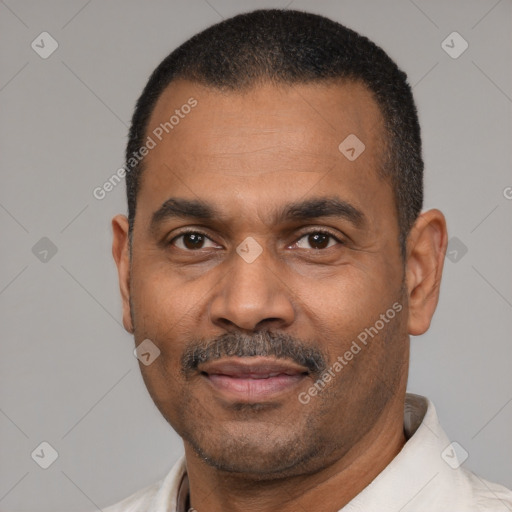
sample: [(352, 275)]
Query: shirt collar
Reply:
[(424, 476), (183, 499)]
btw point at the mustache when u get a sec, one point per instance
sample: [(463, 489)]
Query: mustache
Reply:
[(262, 343)]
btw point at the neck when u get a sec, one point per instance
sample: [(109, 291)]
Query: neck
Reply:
[(326, 490)]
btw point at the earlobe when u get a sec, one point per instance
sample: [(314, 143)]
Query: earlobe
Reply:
[(426, 248), (121, 254)]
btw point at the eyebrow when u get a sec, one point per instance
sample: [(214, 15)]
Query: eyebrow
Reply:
[(311, 208), (322, 207)]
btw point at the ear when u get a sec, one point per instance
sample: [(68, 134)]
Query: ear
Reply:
[(121, 253), (426, 249)]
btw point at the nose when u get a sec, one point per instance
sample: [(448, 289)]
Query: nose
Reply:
[(252, 296)]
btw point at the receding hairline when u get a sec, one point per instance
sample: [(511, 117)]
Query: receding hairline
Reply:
[(264, 82)]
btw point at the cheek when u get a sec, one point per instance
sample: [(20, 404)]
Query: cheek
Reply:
[(350, 300), (163, 316), (158, 298)]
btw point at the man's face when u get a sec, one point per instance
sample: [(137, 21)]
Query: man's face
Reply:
[(299, 260)]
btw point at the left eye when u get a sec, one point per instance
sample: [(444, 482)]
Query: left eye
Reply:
[(317, 240)]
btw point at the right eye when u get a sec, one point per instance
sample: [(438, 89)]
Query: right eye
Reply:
[(190, 241)]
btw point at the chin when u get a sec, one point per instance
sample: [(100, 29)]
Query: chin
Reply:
[(260, 454)]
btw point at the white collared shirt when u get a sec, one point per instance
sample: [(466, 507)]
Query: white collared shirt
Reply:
[(424, 477)]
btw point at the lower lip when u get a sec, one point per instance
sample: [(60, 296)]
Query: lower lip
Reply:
[(254, 389)]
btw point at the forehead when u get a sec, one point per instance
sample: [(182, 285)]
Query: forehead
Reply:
[(318, 113), (268, 142)]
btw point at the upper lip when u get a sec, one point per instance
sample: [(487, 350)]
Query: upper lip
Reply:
[(252, 367)]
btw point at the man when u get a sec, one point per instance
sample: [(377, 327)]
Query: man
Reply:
[(273, 264)]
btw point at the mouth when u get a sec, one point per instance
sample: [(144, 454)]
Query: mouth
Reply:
[(251, 379)]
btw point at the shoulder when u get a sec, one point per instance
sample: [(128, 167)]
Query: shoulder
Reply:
[(137, 502), (488, 496), (158, 497)]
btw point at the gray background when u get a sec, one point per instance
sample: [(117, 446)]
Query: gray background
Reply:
[(68, 374)]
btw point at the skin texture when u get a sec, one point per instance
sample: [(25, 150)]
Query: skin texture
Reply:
[(248, 154)]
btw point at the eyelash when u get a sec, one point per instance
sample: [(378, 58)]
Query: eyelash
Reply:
[(311, 232)]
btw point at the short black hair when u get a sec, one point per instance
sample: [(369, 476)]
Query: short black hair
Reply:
[(293, 47)]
